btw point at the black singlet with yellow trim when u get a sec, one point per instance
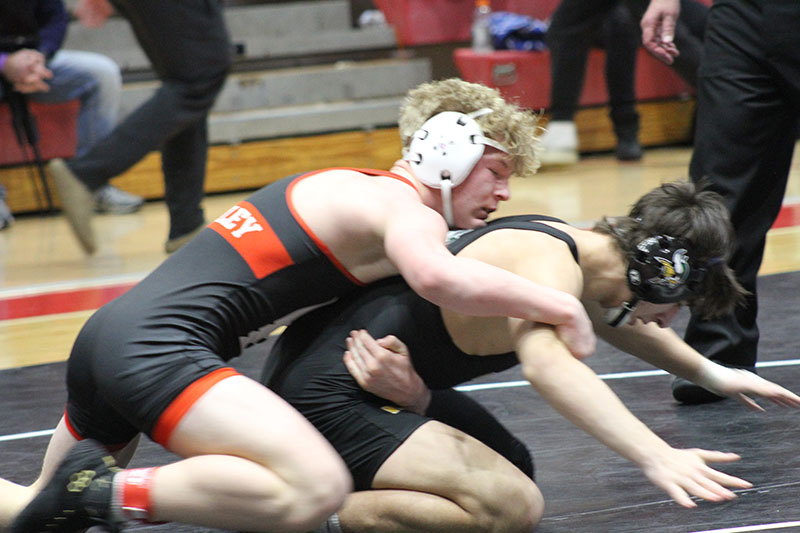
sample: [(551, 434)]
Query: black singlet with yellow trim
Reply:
[(390, 307), (305, 367)]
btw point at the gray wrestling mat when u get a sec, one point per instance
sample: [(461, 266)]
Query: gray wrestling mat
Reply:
[(587, 488)]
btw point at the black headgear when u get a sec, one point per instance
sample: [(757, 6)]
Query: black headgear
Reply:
[(664, 271)]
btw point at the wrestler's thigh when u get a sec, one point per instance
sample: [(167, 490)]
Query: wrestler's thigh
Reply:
[(439, 459), (241, 417)]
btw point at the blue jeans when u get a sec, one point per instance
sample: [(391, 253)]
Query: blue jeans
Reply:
[(95, 80)]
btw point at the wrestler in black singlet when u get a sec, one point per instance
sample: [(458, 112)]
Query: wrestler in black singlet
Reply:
[(306, 368), (177, 327)]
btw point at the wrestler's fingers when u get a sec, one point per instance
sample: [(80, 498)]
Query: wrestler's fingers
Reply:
[(748, 402), (390, 342), (354, 369), (713, 456), (680, 496), (366, 346), (356, 353)]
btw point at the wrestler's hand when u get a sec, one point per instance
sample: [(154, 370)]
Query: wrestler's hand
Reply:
[(578, 334), (685, 473), (93, 13), (658, 29), (741, 385), (383, 367)]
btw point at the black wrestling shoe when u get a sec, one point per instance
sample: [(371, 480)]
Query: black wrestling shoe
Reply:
[(78, 496), (689, 393)]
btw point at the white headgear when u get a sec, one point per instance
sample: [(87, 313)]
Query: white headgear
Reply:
[(445, 150)]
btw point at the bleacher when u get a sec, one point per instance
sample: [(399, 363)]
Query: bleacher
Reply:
[(309, 89)]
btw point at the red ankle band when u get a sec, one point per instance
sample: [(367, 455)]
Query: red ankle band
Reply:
[(136, 484)]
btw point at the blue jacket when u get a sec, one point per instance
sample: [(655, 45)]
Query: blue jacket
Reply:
[(39, 24)]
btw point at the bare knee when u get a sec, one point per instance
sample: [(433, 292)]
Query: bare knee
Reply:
[(509, 508), (315, 499)]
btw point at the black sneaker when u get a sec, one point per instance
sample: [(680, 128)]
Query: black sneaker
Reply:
[(690, 393), (78, 496), (629, 150)]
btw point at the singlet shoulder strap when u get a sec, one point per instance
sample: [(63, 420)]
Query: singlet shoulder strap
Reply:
[(386, 173), (524, 222)]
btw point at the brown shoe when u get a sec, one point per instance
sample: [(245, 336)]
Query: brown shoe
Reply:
[(176, 242), (77, 203)]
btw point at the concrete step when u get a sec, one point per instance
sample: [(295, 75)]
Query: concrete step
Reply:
[(310, 119), (258, 31), (344, 80), (302, 101)]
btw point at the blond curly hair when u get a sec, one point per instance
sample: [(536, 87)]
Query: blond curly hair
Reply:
[(515, 128)]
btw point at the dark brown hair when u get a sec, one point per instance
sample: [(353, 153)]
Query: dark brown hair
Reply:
[(686, 211)]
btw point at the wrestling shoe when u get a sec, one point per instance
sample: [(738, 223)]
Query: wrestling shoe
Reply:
[(109, 199), (77, 497), (77, 202), (690, 393), (559, 144)]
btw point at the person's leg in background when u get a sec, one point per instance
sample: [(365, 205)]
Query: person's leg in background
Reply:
[(620, 39), (6, 218), (746, 129), (573, 29), (188, 46), (95, 80), (183, 159)]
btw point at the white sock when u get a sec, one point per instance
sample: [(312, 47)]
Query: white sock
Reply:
[(330, 526)]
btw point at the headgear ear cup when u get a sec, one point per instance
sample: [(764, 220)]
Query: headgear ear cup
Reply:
[(445, 149), (662, 270), (442, 149)]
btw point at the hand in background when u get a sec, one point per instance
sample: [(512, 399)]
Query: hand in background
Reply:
[(26, 71), (93, 13), (658, 29)]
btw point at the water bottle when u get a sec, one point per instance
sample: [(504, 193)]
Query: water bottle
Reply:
[(481, 31)]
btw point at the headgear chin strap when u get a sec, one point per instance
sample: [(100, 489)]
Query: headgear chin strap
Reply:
[(663, 271), (618, 315), (444, 151)]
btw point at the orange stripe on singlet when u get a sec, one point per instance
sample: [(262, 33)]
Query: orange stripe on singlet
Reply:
[(173, 414), (71, 428), (246, 229), (325, 250)]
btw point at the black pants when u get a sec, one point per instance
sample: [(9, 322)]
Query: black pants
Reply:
[(577, 25), (189, 48), (748, 108)]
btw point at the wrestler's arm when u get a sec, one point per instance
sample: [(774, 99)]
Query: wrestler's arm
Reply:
[(414, 242), (663, 348), (576, 392)]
